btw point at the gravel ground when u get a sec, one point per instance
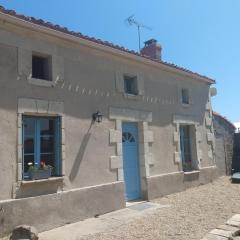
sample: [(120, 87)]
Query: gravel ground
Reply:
[(192, 214)]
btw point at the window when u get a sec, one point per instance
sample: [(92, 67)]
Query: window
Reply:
[(186, 151), (41, 67), (185, 96), (41, 143), (130, 85), (128, 137)]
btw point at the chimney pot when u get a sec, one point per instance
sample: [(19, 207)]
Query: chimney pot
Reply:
[(150, 41), (152, 49)]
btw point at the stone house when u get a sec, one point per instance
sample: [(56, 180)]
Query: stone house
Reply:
[(224, 141), (113, 124)]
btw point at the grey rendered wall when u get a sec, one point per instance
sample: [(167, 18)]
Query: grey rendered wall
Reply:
[(88, 85), (8, 120), (164, 184), (54, 210)]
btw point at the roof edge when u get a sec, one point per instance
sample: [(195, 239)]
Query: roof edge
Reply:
[(62, 32), (225, 119)]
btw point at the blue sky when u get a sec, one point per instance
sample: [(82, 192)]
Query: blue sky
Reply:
[(202, 36)]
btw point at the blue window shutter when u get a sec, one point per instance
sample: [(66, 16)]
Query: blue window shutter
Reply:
[(57, 144), (37, 142), (23, 162)]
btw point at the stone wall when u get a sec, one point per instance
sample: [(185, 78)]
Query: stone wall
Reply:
[(224, 139)]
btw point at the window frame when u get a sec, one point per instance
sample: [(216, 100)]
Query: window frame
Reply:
[(188, 145), (57, 143), (185, 96), (134, 79), (49, 60)]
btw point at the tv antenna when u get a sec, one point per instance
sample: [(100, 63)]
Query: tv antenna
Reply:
[(131, 21)]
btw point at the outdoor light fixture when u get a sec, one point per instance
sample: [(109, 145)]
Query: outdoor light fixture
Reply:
[(97, 117)]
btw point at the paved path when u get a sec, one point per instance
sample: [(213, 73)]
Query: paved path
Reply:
[(191, 215), (102, 223), (228, 231)]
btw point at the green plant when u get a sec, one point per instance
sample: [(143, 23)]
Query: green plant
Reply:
[(33, 167), (187, 166)]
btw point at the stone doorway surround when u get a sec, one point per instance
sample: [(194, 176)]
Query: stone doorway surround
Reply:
[(143, 118)]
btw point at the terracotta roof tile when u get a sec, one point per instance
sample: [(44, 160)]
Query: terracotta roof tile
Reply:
[(99, 41)]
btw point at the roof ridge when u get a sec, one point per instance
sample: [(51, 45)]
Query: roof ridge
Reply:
[(59, 28)]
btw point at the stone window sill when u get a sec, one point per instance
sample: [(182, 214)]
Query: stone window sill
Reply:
[(191, 172), (41, 82), (52, 179), (186, 105), (131, 96)]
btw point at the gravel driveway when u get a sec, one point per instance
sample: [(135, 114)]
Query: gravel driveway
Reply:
[(192, 214)]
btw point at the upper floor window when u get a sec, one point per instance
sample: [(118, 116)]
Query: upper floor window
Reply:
[(185, 96), (130, 85), (41, 67)]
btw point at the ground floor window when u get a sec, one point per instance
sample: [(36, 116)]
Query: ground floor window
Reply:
[(41, 144), (186, 148)]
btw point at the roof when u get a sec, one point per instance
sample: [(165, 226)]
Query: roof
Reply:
[(224, 119), (65, 30)]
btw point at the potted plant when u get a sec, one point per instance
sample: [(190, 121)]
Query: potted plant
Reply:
[(39, 172), (187, 166)]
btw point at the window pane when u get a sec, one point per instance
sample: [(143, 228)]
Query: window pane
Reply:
[(40, 67), (29, 145), (186, 148), (130, 85), (29, 126), (47, 144), (185, 96), (46, 126), (41, 142)]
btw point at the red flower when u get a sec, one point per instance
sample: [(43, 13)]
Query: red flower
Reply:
[(42, 163)]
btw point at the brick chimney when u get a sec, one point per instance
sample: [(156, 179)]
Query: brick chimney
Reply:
[(152, 49)]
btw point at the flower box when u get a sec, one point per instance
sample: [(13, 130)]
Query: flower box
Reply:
[(40, 174)]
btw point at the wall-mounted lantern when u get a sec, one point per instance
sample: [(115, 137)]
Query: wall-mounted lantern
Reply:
[(97, 117)]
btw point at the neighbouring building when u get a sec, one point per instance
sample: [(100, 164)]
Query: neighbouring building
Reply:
[(236, 149), (237, 126), (224, 141), (236, 153), (113, 124)]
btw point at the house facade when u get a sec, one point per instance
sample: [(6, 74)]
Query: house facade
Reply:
[(112, 125)]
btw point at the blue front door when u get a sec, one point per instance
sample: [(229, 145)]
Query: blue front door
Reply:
[(131, 161)]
